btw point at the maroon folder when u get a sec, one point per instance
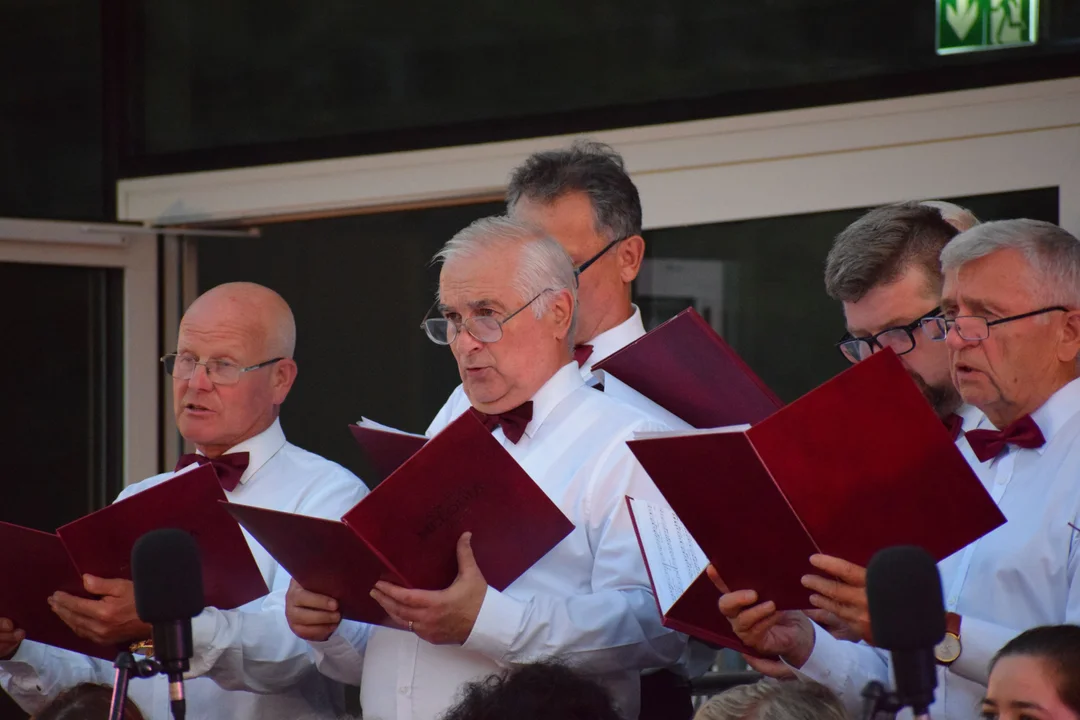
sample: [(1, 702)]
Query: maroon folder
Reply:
[(101, 542), (859, 464), (686, 598), (34, 565), (386, 449), (685, 367), (406, 530)]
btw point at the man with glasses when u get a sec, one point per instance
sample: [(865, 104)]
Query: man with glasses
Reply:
[(231, 372), (1011, 326), (507, 312), (583, 197)]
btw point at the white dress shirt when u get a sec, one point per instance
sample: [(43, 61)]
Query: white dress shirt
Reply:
[(587, 602), (1021, 575), (251, 648)]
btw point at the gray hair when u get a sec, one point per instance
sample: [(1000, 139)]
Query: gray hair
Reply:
[(1052, 253), (881, 245), (589, 167), (544, 264), (959, 217), (771, 700)]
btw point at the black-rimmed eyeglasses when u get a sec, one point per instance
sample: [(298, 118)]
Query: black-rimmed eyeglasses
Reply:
[(220, 372), (900, 338), (974, 327), (485, 328), (585, 265)]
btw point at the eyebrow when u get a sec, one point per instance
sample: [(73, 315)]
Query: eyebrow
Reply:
[(1019, 704), (474, 305)]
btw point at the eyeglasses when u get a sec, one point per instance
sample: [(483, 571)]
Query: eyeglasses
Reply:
[(974, 327), (585, 265), (219, 372), (901, 339), (485, 328)]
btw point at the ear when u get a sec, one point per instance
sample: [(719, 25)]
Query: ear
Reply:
[(562, 313), (283, 378), (630, 252), (1069, 345)]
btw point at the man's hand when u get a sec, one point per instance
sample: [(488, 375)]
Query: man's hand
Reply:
[(10, 638), (442, 617), (844, 596), (311, 616), (787, 634), (109, 620)]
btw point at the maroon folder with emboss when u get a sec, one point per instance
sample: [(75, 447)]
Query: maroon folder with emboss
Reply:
[(858, 464), (686, 368), (406, 530)]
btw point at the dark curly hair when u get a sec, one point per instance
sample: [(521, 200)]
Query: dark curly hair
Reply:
[(542, 691)]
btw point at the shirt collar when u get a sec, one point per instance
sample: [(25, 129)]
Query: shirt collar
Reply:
[(1058, 410), (553, 392), (613, 340), (971, 417), (260, 449)]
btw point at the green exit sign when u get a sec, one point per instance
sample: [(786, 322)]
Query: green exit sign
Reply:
[(967, 25)]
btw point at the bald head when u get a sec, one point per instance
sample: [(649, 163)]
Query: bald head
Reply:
[(241, 326), (253, 309)]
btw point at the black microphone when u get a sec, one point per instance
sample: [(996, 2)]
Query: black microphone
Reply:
[(907, 617), (167, 573)]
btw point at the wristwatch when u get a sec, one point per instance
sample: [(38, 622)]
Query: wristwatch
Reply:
[(948, 650)]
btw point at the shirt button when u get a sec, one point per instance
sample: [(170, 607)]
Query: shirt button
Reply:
[(404, 690)]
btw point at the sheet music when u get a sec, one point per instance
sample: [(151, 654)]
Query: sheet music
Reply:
[(372, 425), (673, 558), (691, 432)]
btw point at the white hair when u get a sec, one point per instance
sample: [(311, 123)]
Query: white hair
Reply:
[(1053, 255), (959, 217), (543, 265)]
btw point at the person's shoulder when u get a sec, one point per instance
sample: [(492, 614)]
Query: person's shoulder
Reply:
[(138, 487), (315, 467), (622, 418)]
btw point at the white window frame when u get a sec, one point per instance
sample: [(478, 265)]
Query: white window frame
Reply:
[(111, 246), (972, 142)]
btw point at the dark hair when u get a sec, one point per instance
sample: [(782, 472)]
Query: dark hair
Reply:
[(1059, 647), (589, 167), (534, 692), (878, 247), (85, 701)]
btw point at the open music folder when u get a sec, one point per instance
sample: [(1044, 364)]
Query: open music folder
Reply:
[(36, 564), (858, 464), (406, 530), (685, 595), (386, 448), (686, 368)]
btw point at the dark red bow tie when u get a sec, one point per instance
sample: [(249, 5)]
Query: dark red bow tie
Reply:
[(955, 425), (513, 422), (582, 353), (988, 444), (229, 468)]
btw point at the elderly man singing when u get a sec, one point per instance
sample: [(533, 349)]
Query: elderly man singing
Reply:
[(1011, 321), (231, 372), (506, 309)]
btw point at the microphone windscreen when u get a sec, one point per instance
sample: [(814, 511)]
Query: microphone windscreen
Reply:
[(167, 574), (903, 589)]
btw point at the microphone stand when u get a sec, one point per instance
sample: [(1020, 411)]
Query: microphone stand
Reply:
[(876, 699), (127, 666)]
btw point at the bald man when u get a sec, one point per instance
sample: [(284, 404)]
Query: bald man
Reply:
[(231, 372)]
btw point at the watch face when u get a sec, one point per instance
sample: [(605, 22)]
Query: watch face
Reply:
[(948, 649)]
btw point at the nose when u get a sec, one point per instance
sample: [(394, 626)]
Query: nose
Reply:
[(953, 340), (464, 342), (200, 379)]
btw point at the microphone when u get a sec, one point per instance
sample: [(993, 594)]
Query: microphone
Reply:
[(907, 617), (167, 574)]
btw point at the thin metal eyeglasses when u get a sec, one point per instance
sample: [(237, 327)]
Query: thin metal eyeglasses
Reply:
[(974, 327), (485, 328), (219, 372), (900, 338)]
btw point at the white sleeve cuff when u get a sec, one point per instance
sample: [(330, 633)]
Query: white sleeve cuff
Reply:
[(339, 657), (497, 625), (22, 666), (828, 663)]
